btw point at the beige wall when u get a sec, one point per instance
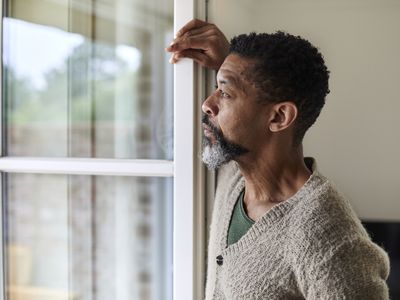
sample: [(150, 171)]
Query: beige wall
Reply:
[(356, 139)]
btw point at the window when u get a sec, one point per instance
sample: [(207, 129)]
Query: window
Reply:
[(98, 152)]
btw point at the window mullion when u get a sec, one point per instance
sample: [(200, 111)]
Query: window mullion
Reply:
[(184, 253)]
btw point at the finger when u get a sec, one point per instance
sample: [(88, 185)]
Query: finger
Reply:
[(201, 41), (173, 59), (194, 33), (190, 25), (170, 47), (196, 55), (209, 28), (198, 31)]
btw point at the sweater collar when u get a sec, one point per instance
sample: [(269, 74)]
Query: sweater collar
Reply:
[(275, 213)]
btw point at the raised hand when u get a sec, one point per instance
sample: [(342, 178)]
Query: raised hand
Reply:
[(201, 41)]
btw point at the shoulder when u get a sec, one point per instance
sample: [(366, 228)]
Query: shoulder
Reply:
[(325, 217), (326, 226), (328, 238)]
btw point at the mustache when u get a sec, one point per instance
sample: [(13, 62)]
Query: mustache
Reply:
[(230, 149), (206, 120)]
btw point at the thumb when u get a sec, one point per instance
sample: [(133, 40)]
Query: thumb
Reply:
[(197, 55)]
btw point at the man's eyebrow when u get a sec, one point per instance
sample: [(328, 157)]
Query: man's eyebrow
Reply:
[(228, 80)]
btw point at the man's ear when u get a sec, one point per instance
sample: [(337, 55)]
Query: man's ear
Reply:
[(283, 114)]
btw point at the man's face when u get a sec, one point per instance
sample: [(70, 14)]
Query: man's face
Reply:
[(234, 123)]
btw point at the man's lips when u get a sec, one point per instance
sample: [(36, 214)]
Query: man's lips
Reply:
[(207, 131)]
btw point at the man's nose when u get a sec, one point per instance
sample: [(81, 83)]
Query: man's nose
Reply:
[(210, 106)]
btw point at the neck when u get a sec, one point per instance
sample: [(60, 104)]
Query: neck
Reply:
[(274, 176)]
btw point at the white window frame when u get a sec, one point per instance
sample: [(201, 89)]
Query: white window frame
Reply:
[(189, 176)]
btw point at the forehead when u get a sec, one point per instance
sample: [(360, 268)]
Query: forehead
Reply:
[(233, 69)]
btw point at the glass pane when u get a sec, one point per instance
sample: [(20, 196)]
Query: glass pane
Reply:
[(88, 238), (88, 78)]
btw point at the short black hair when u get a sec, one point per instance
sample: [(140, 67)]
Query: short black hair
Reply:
[(288, 68)]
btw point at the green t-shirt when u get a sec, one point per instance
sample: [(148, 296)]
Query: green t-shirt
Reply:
[(240, 222)]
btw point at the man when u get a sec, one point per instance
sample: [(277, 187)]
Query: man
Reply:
[(280, 230)]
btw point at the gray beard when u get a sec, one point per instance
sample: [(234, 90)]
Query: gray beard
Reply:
[(214, 156), (220, 152)]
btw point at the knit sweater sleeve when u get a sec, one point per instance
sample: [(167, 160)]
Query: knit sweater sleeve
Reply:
[(356, 269)]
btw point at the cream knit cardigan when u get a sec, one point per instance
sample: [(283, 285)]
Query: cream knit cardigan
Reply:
[(311, 246)]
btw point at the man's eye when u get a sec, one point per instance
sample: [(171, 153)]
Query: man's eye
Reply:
[(223, 94)]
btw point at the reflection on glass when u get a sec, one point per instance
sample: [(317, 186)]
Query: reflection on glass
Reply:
[(87, 238), (88, 78)]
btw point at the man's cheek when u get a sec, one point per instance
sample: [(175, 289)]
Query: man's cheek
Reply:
[(228, 132)]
